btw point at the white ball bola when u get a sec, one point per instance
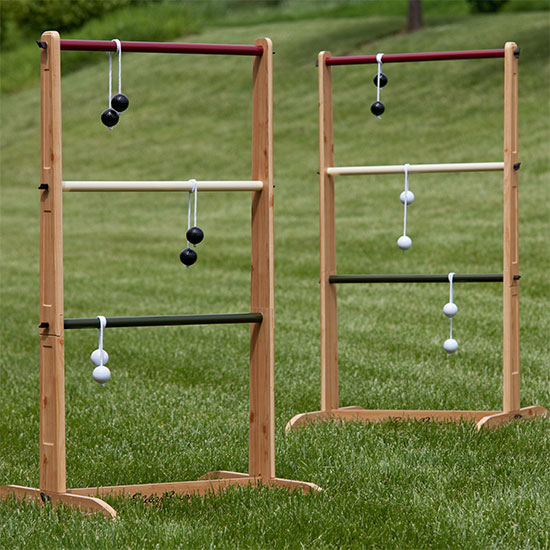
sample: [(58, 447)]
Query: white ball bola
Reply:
[(95, 358), (450, 310), (404, 242), (450, 345), (408, 195), (101, 374)]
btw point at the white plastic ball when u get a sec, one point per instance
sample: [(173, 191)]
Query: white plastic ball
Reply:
[(404, 242), (450, 345), (95, 358), (101, 374), (450, 310), (409, 195)]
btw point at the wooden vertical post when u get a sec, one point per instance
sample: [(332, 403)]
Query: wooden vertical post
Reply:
[(262, 294), (510, 297), (329, 315), (52, 368)]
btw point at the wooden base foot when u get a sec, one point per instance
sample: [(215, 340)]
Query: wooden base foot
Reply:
[(85, 503), (525, 413), (210, 483), (358, 414), (87, 499), (222, 474), (289, 484)]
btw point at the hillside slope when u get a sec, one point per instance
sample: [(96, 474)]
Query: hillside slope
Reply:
[(177, 404)]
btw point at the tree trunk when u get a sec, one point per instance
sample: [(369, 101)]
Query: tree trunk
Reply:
[(414, 21)]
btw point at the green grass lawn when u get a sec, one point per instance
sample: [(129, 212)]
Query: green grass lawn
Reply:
[(176, 406)]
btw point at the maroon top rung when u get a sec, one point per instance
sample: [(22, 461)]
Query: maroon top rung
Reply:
[(160, 47), (408, 57)]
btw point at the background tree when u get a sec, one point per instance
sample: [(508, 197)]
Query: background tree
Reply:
[(414, 20)]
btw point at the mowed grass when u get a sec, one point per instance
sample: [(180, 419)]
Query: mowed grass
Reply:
[(177, 404)]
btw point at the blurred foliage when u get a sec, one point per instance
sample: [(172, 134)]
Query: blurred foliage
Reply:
[(33, 16), (486, 6), (23, 21)]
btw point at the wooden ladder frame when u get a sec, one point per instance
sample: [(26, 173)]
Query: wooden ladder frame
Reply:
[(261, 471), (330, 408)]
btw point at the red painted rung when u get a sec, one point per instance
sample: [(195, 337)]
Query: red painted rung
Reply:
[(160, 47), (422, 56)]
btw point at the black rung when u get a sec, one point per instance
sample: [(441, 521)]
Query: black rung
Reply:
[(420, 278), (166, 320)]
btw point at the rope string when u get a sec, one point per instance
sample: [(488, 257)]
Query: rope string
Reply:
[(379, 61), (102, 325), (194, 193), (110, 80), (406, 170), (119, 51), (451, 275)]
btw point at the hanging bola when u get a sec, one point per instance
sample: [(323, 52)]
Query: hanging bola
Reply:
[(194, 233), (119, 102)]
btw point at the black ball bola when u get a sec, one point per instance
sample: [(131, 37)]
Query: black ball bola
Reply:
[(194, 235), (377, 108), (109, 117), (383, 80), (120, 103), (188, 257)]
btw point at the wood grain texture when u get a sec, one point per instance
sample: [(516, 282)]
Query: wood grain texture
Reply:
[(357, 414), (499, 418), (262, 287), (327, 231), (86, 504), (52, 360), (189, 488), (510, 286)]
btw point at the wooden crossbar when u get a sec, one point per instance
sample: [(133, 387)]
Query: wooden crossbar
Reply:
[(415, 168), (186, 185), (165, 320), (417, 278)]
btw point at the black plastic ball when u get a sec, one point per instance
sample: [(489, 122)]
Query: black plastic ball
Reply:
[(194, 235), (377, 108), (188, 257), (383, 80), (109, 117), (120, 103)]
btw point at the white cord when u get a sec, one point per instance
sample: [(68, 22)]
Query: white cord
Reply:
[(110, 79), (196, 195), (119, 51), (451, 275), (194, 192), (102, 325), (379, 61), (406, 169)]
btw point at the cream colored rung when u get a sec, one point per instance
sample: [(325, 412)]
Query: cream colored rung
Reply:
[(162, 185), (415, 168)]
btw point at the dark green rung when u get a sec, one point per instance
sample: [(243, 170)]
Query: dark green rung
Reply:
[(420, 278), (166, 320)]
